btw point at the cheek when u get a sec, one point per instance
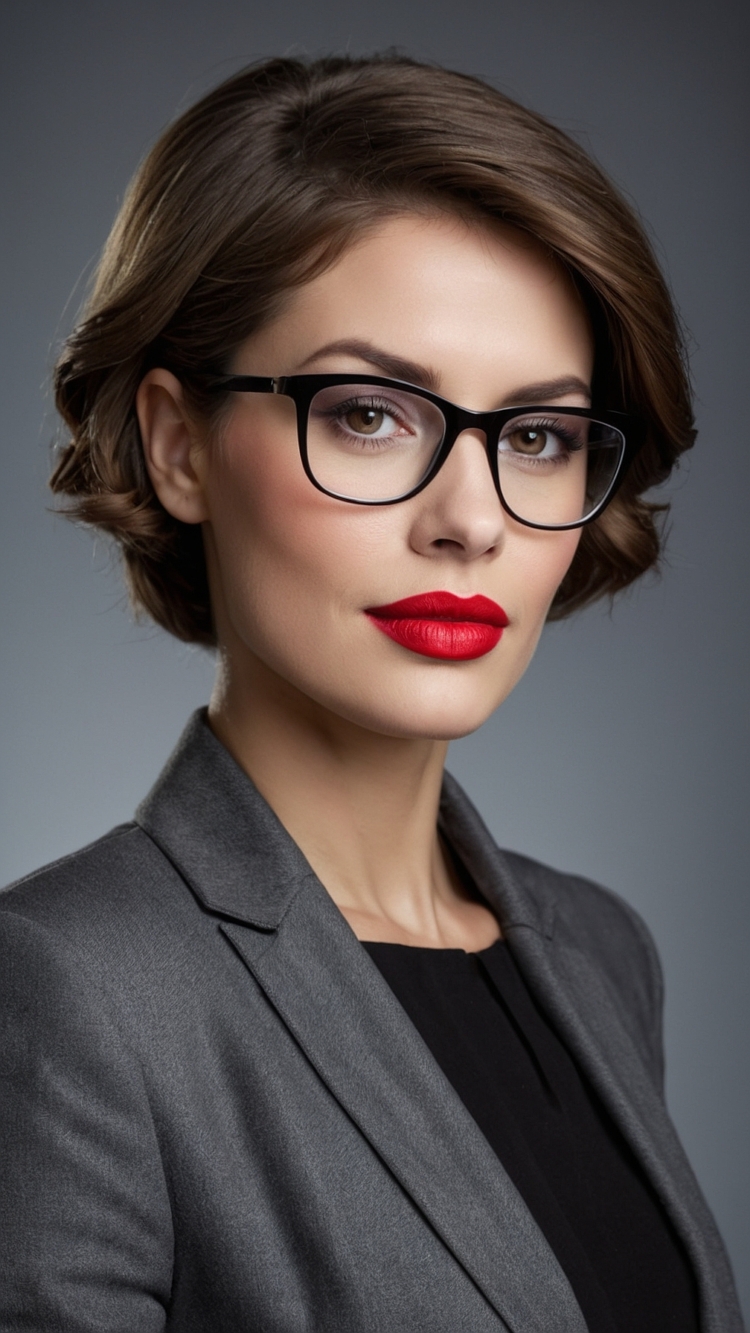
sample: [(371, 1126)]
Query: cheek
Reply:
[(537, 563), (555, 555), (286, 554)]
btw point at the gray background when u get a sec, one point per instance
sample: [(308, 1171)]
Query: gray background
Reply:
[(622, 753)]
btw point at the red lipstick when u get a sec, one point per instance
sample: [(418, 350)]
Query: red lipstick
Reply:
[(439, 624)]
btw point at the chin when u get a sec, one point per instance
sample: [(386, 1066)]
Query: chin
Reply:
[(443, 709), (429, 725)]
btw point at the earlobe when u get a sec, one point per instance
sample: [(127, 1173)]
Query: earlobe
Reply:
[(169, 445)]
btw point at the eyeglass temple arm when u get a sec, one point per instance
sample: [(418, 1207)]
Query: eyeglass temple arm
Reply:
[(245, 384)]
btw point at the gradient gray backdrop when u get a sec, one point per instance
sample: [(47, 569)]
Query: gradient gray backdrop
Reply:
[(623, 753)]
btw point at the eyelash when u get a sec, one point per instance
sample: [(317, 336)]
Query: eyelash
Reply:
[(369, 404), (566, 434)]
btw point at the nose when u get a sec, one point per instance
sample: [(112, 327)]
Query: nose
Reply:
[(459, 512)]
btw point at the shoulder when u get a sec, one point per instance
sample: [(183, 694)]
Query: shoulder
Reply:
[(106, 915), (598, 919), (98, 886), (594, 930), (575, 915)]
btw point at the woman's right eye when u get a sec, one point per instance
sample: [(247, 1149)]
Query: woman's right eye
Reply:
[(368, 420), (365, 420)]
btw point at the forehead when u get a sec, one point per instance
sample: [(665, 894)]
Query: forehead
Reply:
[(464, 300)]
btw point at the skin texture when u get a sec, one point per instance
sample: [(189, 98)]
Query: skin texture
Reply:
[(344, 731)]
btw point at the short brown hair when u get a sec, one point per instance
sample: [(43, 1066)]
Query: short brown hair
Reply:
[(261, 185)]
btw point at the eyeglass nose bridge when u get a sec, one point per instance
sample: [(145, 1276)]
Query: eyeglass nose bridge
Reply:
[(459, 420)]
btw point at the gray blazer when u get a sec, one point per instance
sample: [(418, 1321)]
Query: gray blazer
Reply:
[(215, 1114)]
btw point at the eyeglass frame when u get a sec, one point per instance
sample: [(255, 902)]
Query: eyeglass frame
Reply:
[(303, 388)]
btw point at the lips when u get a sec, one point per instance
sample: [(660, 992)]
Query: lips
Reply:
[(439, 624)]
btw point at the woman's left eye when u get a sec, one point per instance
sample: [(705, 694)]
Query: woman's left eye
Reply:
[(537, 440)]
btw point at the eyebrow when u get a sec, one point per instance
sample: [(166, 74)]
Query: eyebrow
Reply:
[(545, 391), (393, 367), (411, 372)]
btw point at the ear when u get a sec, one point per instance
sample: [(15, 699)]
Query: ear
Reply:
[(171, 446)]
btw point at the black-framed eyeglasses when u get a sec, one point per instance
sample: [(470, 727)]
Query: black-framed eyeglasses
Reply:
[(369, 440)]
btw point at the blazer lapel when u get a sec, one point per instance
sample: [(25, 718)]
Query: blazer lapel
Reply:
[(333, 999), (576, 998), (582, 1009), (212, 823)]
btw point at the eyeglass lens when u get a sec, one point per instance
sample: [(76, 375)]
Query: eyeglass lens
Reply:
[(372, 444)]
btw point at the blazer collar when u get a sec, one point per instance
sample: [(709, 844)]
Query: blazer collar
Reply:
[(209, 818), (491, 870)]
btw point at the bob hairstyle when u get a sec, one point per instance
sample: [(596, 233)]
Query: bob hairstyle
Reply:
[(260, 187)]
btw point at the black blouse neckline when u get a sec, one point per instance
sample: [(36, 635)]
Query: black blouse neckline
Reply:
[(429, 949), (556, 1141)]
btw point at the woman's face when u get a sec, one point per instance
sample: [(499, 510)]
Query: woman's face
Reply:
[(484, 318)]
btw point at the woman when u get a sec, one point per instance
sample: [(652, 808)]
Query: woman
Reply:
[(375, 374)]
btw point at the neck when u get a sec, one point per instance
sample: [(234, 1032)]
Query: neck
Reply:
[(362, 807)]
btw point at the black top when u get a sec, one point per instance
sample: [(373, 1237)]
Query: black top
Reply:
[(560, 1148)]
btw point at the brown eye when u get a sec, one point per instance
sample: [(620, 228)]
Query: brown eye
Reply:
[(529, 441), (365, 420)]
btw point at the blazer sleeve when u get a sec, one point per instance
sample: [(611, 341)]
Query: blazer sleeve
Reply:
[(85, 1220)]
